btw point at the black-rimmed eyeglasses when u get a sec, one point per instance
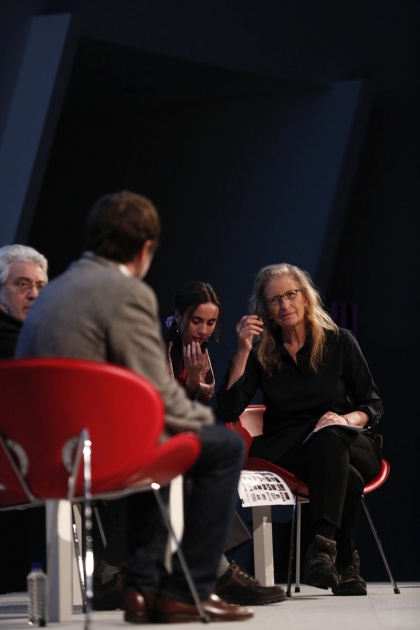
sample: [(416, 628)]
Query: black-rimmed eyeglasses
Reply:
[(289, 296)]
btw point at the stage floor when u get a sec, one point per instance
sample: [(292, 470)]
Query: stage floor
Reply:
[(311, 609)]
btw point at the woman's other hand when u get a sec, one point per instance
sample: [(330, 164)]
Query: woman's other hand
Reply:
[(330, 417)]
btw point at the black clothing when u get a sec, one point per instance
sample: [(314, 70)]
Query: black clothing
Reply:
[(9, 332), (335, 462), (295, 397), (22, 534)]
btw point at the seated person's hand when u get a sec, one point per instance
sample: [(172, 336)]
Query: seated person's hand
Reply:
[(330, 417), (193, 362), (248, 327)]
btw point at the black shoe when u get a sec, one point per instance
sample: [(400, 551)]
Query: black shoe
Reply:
[(108, 596), (238, 587), (350, 581), (319, 564)]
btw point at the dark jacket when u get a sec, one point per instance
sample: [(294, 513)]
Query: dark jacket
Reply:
[(295, 397), (9, 333)]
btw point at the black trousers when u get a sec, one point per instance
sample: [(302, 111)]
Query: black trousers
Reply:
[(336, 464), (208, 516), (22, 541)]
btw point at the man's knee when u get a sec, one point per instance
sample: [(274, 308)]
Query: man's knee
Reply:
[(222, 442)]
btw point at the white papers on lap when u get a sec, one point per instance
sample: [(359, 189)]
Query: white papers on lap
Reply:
[(348, 427), (263, 488)]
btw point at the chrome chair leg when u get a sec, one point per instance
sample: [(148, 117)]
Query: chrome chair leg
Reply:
[(380, 548), (291, 550), (79, 556), (298, 544), (87, 517)]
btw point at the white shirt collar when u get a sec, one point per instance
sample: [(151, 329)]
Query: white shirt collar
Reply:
[(125, 271)]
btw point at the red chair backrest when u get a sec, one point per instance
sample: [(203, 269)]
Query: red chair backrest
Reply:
[(249, 424), (47, 402)]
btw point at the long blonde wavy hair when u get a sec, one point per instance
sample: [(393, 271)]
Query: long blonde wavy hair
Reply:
[(317, 319)]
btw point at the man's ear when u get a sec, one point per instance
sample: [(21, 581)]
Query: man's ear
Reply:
[(143, 259), (177, 316), (147, 249)]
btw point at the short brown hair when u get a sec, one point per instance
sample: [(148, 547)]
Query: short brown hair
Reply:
[(119, 224)]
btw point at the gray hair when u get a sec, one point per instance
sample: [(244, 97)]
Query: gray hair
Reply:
[(317, 319), (19, 253)]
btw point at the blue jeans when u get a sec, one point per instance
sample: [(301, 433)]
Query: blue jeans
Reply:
[(208, 516)]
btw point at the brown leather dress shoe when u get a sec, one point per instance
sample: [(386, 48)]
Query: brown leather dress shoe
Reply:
[(139, 608), (169, 610)]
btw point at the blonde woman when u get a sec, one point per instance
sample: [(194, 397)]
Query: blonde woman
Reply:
[(313, 376)]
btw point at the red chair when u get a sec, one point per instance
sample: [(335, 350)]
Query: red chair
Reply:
[(249, 426), (57, 414)]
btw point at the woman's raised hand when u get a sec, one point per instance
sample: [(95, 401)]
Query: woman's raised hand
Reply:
[(193, 360), (248, 327)]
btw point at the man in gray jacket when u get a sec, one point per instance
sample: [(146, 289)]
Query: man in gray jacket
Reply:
[(100, 309)]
